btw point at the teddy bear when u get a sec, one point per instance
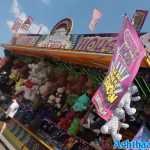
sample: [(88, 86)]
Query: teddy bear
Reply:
[(127, 98), (113, 126)]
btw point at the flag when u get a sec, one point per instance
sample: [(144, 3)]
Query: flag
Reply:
[(16, 26), (125, 64), (27, 23), (95, 17), (139, 18)]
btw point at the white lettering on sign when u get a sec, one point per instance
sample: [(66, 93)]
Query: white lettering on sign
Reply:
[(98, 44), (57, 40)]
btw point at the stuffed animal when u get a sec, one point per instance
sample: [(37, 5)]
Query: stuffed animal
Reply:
[(81, 103), (127, 98), (65, 122), (114, 124), (56, 99), (46, 88), (74, 127), (39, 72), (19, 83), (17, 70), (69, 143), (29, 90)]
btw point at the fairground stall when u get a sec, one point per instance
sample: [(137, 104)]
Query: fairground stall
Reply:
[(55, 77)]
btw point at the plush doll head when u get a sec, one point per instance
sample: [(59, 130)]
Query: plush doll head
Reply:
[(81, 103), (56, 98)]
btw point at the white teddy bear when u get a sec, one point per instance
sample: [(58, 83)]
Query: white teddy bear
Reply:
[(127, 98), (114, 124)]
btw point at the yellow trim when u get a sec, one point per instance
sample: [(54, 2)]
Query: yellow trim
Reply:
[(39, 140), (14, 140)]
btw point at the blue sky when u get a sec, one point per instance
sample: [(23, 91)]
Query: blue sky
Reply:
[(49, 12)]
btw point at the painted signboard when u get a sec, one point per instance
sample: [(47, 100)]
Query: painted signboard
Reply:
[(65, 25), (24, 39), (96, 44), (122, 71), (59, 36)]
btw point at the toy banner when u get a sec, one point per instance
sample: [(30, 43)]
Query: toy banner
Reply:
[(95, 17), (124, 66), (139, 19)]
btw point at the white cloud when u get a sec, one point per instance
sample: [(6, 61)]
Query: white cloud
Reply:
[(17, 11), (9, 23), (46, 2)]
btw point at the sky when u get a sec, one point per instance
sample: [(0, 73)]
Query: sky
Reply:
[(47, 13)]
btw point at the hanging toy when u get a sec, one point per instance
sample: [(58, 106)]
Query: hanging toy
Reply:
[(127, 98), (113, 126)]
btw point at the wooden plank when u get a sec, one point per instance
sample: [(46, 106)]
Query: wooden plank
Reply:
[(91, 59)]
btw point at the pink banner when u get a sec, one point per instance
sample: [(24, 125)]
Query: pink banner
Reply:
[(123, 69)]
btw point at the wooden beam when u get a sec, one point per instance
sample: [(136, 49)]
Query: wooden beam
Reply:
[(91, 59)]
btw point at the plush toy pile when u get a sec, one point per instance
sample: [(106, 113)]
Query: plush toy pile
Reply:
[(57, 98)]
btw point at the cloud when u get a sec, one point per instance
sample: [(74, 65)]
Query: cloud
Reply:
[(17, 11), (46, 2), (9, 23)]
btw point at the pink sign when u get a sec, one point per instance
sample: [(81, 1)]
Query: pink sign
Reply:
[(125, 64)]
